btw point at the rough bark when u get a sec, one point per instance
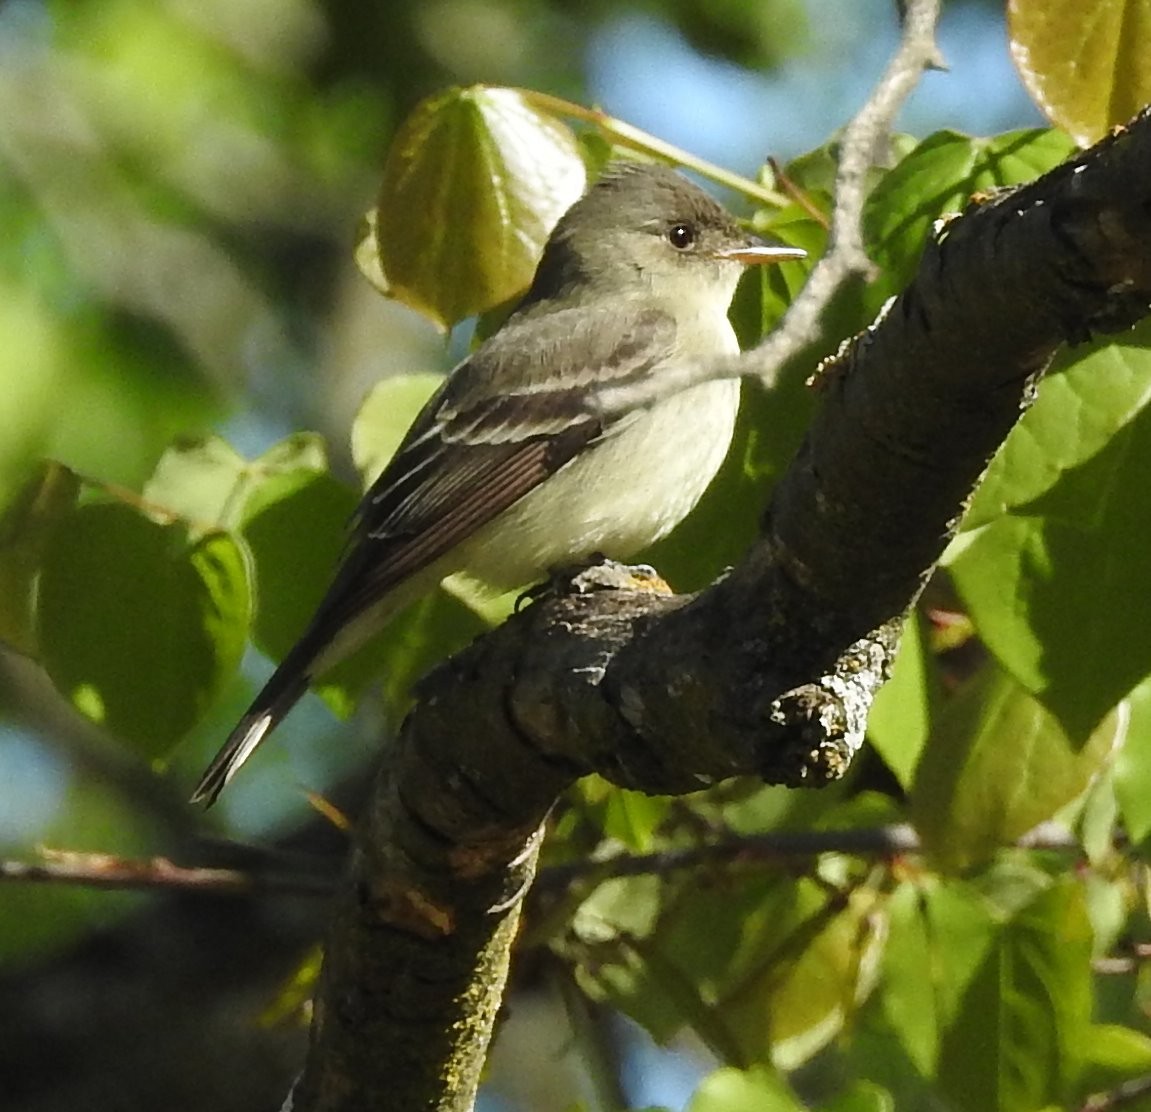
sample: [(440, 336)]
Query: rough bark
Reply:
[(769, 673)]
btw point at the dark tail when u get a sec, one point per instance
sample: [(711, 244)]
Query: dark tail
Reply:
[(277, 698)]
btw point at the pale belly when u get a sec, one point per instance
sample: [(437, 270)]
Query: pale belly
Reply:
[(615, 498)]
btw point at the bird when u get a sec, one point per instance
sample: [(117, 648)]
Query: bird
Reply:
[(509, 471)]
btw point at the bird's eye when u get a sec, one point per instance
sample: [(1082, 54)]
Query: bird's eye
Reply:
[(681, 236)]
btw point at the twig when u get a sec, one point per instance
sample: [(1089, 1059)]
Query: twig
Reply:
[(637, 139), (1120, 964), (798, 195), (893, 840), (102, 870), (1127, 1093), (845, 255)]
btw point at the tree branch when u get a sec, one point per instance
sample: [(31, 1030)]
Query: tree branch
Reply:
[(314, 878), (103, 870), (769, 673)]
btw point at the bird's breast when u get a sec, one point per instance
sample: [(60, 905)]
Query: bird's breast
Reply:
[(618, 496)]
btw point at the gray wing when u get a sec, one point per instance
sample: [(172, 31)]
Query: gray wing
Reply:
[(505, 420)]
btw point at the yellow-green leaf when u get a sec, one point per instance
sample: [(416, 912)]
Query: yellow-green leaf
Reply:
[(997, 764), (900, 718), (207, 483), (474, 182), (385, 417), (755, 1090), (1087, 65)]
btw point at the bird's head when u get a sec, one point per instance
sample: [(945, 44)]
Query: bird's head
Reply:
[(644, 230)]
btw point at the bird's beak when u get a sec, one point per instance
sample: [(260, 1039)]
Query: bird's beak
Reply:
[(755, 253)]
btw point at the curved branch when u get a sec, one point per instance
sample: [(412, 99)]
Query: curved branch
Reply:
[(768, 673)]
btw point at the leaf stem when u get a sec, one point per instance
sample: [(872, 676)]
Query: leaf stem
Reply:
[(638, 139)]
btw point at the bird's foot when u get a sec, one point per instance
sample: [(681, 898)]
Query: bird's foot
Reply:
[(597, 573)]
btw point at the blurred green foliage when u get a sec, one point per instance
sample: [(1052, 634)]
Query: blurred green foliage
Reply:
[(179, 188)]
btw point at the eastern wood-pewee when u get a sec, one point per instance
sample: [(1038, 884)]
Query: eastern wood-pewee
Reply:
[(510, 471)]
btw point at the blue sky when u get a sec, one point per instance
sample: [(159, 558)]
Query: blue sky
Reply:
[(642, 70)]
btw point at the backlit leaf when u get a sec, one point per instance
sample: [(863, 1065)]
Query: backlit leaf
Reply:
[(1087, 65), (998, 763), (474, 182), (384, 418), (754, 1090), (1019, 1034)]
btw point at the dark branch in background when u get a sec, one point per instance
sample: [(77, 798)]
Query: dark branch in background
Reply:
[(96, 870), (779, 847), (100, 870)]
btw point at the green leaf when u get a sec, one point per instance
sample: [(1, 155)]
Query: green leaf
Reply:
[(385, 417), (26, 529), (198, 479), (939, 177), (1133, 766), (1018, 1038), (1088, 395), (613, 927), (628, 817), (1087, 66), (940, 933), (1112, 1055), (139, 624), (863, 1096), (474, 182), (754, 1090), (205, 481), (793, 982), (997, 764), (366, 252), (632, 817), (900, 717), (296, 526), (34, 357), (774, 977), (1044, 584)]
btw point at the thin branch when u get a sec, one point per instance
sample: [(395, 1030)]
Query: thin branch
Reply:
[(1119, 1097), (860, 141), (798, 195), (103, 870), (634, 137), (1122, 964), (866, 134), (783, 847)]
